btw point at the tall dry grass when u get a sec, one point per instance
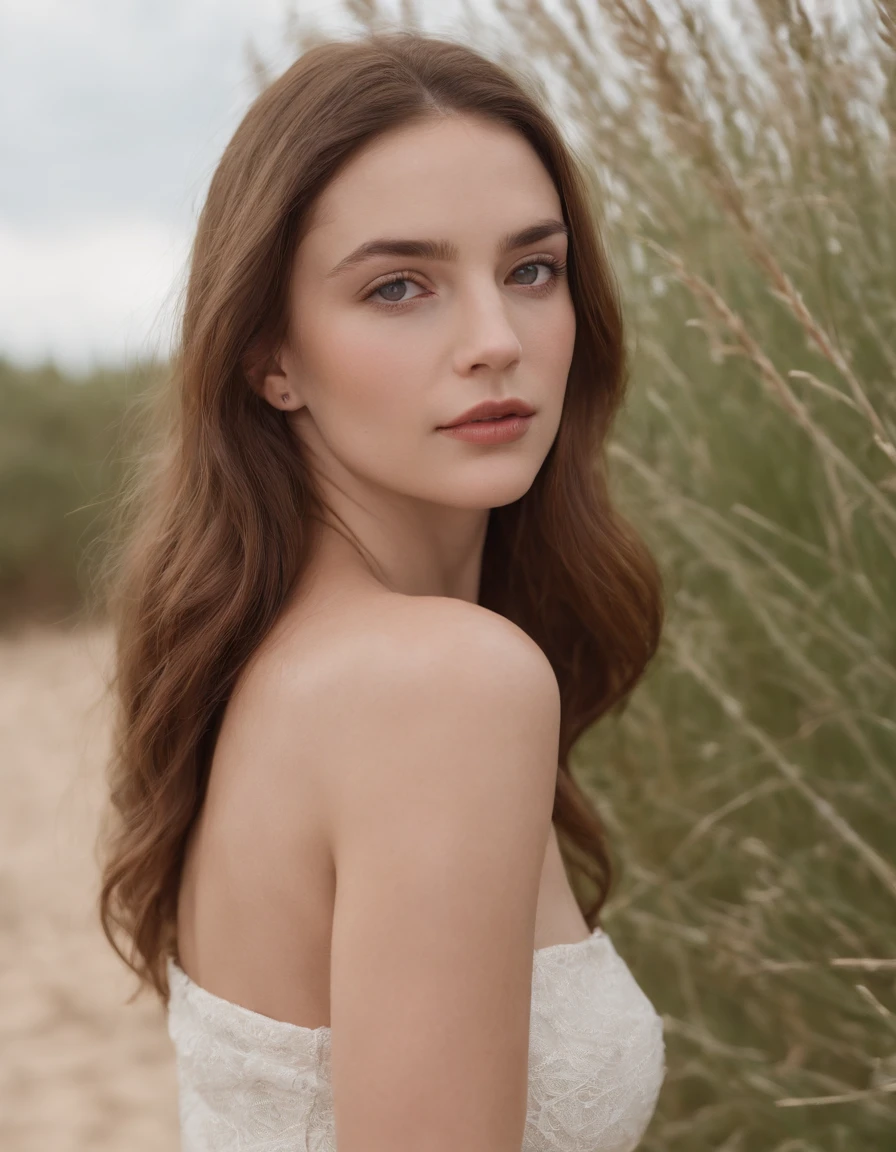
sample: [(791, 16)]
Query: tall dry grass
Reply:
[(745, 169)]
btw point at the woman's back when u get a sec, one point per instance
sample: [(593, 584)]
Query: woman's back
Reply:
[(258, 897), (265, 806)]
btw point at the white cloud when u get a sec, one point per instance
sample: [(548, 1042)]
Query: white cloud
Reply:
[(100, 293), (113, 114)]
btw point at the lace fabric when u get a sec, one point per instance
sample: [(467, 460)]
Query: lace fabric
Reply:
[(250, 1083)]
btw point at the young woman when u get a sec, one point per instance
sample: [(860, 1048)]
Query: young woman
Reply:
[(372, 593)]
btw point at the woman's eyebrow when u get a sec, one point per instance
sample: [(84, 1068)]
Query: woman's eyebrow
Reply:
[(443, 249)]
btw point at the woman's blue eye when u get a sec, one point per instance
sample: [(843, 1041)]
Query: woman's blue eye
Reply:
[(522, 268), (392, 284)]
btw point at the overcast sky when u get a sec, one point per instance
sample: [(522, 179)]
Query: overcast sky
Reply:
[(113, 115)]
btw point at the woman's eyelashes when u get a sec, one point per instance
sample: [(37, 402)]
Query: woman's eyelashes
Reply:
[(556, 269)]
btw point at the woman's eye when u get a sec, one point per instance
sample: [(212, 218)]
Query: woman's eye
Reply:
[(390, 296), (393, 293), (536, 264)]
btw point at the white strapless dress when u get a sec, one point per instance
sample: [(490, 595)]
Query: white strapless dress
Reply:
[(596, 1063)]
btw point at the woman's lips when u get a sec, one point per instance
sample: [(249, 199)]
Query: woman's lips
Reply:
[(502, 431)]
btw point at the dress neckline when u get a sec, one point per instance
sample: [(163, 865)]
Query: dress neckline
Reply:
[(287, 1026)]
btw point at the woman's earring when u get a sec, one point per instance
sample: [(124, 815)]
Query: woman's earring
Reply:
[(284, 396)]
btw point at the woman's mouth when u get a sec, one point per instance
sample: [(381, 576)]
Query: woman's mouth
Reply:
[(493, 430)]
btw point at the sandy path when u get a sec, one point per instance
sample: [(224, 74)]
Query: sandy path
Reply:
[(79, 1068)]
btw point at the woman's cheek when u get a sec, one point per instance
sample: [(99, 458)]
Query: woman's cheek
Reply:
[(391, 343)]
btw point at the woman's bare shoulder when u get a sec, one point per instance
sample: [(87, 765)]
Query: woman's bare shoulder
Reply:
[(459, 628), (353, 633)]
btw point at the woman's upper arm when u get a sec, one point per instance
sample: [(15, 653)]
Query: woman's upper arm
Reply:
[(440, 811)]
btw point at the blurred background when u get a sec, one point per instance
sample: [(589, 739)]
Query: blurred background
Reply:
[(742, 158)]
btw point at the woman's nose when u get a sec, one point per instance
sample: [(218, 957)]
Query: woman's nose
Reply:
[(488, 336)]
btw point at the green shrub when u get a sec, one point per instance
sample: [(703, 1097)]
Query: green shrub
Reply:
[(61, 452)]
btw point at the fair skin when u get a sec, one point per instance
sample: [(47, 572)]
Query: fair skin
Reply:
[(390, 731), (369, 380)]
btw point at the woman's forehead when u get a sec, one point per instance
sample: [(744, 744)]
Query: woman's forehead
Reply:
[(427, 192)]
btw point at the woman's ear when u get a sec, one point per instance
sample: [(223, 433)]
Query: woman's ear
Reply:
[(270, 380)]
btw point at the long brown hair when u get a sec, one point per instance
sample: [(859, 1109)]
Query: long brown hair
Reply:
[(215, 524)]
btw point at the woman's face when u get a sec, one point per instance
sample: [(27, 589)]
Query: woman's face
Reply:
[(383, 349)]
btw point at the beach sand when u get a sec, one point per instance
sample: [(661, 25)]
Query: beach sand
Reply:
[(79, 1067)]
